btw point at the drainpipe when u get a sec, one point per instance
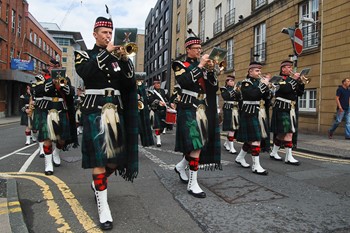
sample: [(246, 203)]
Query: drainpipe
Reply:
[(321, 68)]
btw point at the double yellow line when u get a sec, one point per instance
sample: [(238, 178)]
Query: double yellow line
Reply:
[(53, 208)]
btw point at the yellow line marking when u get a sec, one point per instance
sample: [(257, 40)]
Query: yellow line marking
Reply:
[(54, 209), (310, 156), (84, 219)]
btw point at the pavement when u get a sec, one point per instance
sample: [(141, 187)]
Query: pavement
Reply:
[(11, 218)]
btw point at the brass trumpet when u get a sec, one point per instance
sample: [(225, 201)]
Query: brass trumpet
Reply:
[(212, 64), (302, 79), (140, 105), (130, 49)]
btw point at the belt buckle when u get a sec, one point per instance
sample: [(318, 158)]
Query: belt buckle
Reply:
[(200, 97), (55, 99), (292, 103), (109, 93)]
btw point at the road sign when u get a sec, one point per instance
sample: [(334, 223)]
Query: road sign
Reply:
[(298, 41)]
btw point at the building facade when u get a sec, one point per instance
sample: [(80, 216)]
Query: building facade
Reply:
[(259, 30), (22, 38), (69, 42), (158, 43)]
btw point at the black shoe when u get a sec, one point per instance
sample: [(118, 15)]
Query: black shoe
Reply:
[(106, 225), (159, 145), (42, 155), (273, 157), (197, 195), (56, 164), (49, 173), (295, 164), (347, 138), (264, 173), (182, 180)]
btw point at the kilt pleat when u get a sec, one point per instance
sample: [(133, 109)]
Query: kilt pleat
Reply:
[(43, 129), (93, 154), (249, 128), (280, 122), (188, 137)]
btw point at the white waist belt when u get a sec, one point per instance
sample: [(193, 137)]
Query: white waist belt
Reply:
[(191, 93), (251, 102), (284, 100), (106, 91), (230, 102), (53, 99)]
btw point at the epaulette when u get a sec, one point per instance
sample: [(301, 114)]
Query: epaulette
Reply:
[(80, 56), (178, 67), (222, 89)]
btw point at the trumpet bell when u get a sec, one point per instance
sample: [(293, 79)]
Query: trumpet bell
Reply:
[(62, 81), (140, 105), (305, 80), (131, 49), (222, 65)]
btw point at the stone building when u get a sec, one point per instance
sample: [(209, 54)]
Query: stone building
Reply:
[(252, 30)]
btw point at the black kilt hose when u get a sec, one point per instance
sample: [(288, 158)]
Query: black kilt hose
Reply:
[(253, 91)]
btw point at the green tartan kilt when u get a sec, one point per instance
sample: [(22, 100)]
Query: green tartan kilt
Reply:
[(63, 125), (227, 121), (92, 142), (280, 122), (36, 118), (159, 119), (188, 136), (145, 130), (249, 128)]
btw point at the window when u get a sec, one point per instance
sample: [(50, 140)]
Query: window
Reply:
[(64, 59), (166, 36), (13, 21), (178, 23), (189, 12), (64, 49), (7, 12), (202, 21), (31, 35), (44, 45), (259, 51), (218, 20), (165, 57), (309, 10), (39, 44), (230, 15), (0, 9), (35, 38), (259, 3), (307, 102), (166, 16), (229, 56), (12, 52), (19, 26), (160, 60)]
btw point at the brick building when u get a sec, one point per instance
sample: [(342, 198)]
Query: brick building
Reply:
[(22, 37)]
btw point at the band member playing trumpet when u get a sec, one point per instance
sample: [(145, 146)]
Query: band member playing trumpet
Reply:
[(253, 124), (109, 113), (197, 131), (284, 121), (27, 109), (55, 124), (231, 97), (145, 129), (158, 103)]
